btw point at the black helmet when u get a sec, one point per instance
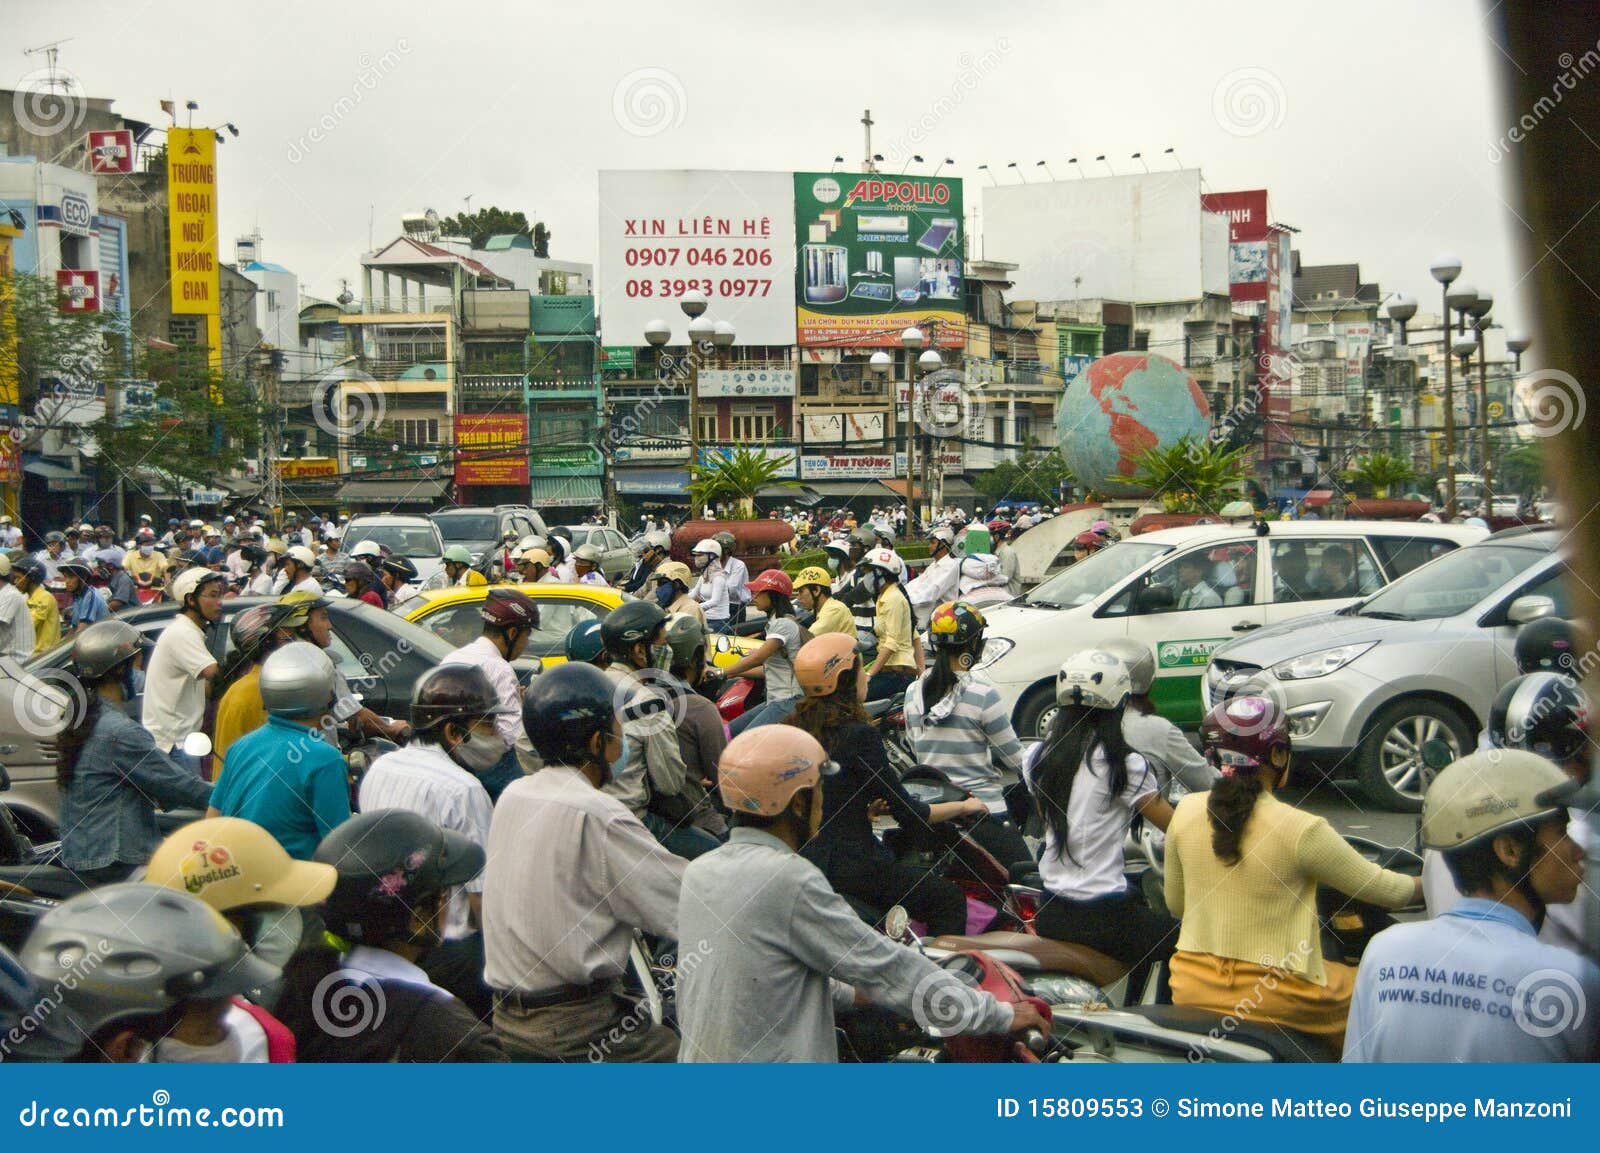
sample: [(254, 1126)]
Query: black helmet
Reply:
[(565, 707), (629, 624), (251, 628), (399, 565), (31, 569), (77, 568), (454, 693), (1544, 713), (1547, 645), (388, 862)]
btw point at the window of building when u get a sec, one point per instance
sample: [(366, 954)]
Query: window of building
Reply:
[(1141, 340), (1083, 344), (708, 426), (272, 300), (1024, 428), (751, 422), (414, 430), (808, 380)]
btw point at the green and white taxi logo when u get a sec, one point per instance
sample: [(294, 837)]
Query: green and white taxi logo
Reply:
[(1186, 654)]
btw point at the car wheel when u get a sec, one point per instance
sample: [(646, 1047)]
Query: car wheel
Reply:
[(1036, 713), (1389, 762)]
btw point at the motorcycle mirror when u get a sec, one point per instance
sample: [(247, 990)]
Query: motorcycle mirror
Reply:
[(724, 645), (197, 745), (1436, 754), (896, 922)]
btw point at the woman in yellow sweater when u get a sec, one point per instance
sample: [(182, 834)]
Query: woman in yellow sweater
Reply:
[(1242, 872)]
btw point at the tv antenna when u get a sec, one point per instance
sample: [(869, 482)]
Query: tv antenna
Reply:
[(50, 52)]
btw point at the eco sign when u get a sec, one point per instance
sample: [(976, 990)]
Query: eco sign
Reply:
[(877, 254)]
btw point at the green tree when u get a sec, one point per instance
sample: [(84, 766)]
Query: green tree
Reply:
[(1376, 473), (491, 221), (63, 357), (203, 424), (1521, 469), (736, 479), (1033, 476), (1192, 475)]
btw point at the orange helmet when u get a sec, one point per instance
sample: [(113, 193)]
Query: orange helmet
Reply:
[(763, 768), (821, 662)]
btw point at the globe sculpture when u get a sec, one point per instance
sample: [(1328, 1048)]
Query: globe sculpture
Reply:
[(1119, 407)]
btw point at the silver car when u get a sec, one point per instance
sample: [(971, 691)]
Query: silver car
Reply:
[(616, 558), (1421, 659)]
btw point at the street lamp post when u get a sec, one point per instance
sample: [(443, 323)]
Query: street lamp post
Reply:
[(1445, 269), (911, 340), (1480, 323), (1402, 307), (930, 362), (1463, 346)]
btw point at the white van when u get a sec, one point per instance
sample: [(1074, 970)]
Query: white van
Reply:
[(1184, 591)]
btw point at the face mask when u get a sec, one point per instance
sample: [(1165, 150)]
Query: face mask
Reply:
[(833, 565), (146, 549), (661, 657), (665, 594), (701, 559), (872, 581), (478, 753), (615, 767)]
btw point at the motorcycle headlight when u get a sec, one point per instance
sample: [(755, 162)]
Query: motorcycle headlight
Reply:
[(993, 649), (1319, 663)]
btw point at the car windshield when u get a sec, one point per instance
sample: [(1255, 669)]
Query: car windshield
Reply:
[(1450, 585), (459, 529), (404, 540), (1094, 574)]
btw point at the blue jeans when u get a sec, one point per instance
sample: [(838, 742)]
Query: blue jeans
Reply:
[(771, 713), (686, 841), (725, 625)]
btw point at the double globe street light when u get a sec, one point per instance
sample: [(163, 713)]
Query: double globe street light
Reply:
[(705, 336)]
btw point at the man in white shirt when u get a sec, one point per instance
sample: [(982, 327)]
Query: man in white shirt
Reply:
[(54, 552), (940, 581), (295, 573), (182, 663), (737, 574), (10, 534), (16, 621), (571, 874), (509, 618)]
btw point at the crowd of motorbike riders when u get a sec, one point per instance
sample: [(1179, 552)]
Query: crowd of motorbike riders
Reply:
[(478, 892)]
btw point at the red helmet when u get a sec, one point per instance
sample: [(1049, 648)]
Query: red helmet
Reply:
[(1243, 732), (1088, 540), (509, 609), (774, 580)]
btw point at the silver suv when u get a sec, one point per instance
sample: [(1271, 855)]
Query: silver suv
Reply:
[(1419, 660)]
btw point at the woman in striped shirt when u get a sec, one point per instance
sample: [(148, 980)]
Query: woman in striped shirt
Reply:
[(957, 724)]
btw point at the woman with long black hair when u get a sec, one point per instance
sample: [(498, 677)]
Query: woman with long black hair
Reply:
[(109, 771), (1088, 785)]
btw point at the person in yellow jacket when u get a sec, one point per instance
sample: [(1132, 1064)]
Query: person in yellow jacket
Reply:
[(28, 575), (813, 588)]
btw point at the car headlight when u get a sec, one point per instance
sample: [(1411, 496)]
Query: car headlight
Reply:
[(993, 649), (1320, 663)]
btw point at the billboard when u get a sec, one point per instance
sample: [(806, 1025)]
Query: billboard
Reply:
[(111, 152), (746, 382), (476, 438), (852, 427), (1136, 238), (1249, 240), (729, 235), (878, 253), (192, 230)]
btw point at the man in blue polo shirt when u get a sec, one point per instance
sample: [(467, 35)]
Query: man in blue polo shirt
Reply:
[(285, 776), (1476, 983)]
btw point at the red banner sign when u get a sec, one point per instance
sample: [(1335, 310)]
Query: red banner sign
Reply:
[(79, 288), (111, 152), (477, 438)]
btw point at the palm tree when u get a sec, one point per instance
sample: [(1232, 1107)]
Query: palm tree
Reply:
[(1192, 475), (1378, 472), (737, 478)]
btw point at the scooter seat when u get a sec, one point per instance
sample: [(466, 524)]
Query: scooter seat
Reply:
[(1285, 1045), (50, 881), (1028, 953)]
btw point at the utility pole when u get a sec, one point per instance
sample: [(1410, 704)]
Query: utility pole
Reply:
[(866, 123)]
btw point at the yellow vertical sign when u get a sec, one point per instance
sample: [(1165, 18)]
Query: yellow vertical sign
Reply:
[(192, 230)]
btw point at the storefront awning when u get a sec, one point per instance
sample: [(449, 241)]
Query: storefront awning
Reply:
[(846, 488), (957, 488), (392, 492), (803, 495), (653, 482), (58, 478), (564, 492)]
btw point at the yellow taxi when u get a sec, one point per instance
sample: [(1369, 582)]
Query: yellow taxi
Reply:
[(452, 614)]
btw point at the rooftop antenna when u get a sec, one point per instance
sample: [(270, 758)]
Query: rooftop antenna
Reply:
[(50, 52)]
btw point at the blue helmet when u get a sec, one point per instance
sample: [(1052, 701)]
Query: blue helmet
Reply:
[(584, 642)]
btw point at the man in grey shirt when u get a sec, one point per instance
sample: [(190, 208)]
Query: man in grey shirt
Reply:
[(774, 949)]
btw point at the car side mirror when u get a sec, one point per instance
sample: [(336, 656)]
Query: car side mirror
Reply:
[(197, 745), (1530, 608)]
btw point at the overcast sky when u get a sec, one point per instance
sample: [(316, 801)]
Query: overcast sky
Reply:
[(1372, 124)]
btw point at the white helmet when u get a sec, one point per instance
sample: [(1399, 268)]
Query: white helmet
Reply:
[(886, 559), (659, 541), (709, 547), (366, 548), (302, 554), (1093, 679), (945, 535), (189, 581), (526, 545)]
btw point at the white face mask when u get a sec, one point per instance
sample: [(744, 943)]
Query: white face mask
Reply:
[(478, 753), (146, 549)]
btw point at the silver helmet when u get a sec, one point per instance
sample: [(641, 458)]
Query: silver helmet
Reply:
[(136, 950), (1140, 660), (104, 646), (297, 681)]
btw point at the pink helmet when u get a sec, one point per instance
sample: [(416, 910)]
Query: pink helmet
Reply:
[(761, 770), (1243, 732)]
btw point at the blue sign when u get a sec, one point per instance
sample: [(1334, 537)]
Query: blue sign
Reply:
[(1074, 363)]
